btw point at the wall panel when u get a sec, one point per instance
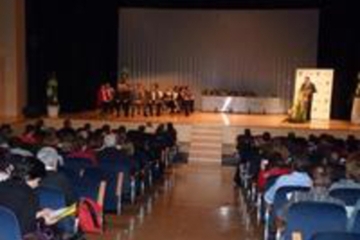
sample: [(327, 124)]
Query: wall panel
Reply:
[(248, 50)]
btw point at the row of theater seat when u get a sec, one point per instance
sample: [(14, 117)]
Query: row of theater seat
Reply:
[(110, 184), (305, 220)]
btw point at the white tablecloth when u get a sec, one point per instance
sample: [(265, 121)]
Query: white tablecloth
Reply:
[(257, 105)]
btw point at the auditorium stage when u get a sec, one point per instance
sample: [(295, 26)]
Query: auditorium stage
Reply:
[(276, 124), (221, 119)]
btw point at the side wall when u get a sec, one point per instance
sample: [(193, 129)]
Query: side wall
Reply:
[(12, 58)]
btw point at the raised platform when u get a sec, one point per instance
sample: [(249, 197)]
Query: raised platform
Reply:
[(206, 136), (232, 124)]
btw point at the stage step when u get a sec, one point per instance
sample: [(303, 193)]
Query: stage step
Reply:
[(195, 137), (204, 160), (206, 144)]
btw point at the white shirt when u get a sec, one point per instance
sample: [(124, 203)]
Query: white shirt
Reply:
[(296, 179)]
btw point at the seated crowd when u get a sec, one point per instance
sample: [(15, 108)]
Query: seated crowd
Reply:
[(297, 185), (69, 159)]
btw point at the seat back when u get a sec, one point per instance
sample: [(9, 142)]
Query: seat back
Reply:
[(9, 226), (283, 196), (77, 163), (54, 199), (72, 174), (50, 198), (355, 222), (92, 186), (114, 167), (310, 218), (347, 195), (114, 185), (336, 236)]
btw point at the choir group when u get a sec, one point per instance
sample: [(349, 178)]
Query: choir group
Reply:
[(132, 99)]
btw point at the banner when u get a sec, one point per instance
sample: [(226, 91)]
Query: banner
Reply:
[(323, 81)]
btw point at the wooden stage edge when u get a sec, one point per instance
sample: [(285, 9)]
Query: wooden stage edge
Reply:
[(271, 122), (275, 124)]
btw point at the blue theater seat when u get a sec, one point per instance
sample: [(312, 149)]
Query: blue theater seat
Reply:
[(9, 226), (310, 218), (336, 236)]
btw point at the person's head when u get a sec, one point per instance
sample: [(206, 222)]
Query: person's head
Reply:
[(6, 131), (291, 136), (110, 140), (312, 138), (122, 130), (307, 80), (160, 128), (266, 136), (142, 128), (321, 176), (50, 157), (170, 126), (29, 129), (28, 169), (247, 132), (3, 143), (106, 129), (39, 124), (87, 127), (50, 137), (276, 160), (353, 167), (300, 163), (67, 123)]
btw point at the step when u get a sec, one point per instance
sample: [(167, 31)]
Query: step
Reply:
[(207, 138), (206, 144), (205, 152), (206, 134), (209, 158), (204, 159), (207, 131), (212, 147)]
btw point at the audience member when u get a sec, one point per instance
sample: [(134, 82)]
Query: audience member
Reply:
[(298, 177), (17, 194), (54, 179), (352, 179)]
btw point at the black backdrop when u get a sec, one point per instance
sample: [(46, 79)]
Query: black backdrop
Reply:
[(77, 39)]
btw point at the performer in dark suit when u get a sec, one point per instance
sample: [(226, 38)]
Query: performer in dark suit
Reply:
[(156, 99), (137, 99), (307, 91), (123, 96)]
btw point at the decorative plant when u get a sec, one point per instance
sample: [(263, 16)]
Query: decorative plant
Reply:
[(52, 91)]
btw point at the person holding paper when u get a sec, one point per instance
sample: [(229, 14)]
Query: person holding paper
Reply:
[(18, 193)]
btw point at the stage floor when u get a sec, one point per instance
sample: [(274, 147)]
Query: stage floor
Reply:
[(223, 119)]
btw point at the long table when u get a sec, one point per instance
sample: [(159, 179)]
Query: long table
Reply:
[(249, 105)]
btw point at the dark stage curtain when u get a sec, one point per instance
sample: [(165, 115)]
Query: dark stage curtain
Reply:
[(339, 48), (77, 40)]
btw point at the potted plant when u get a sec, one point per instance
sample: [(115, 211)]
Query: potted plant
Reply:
[(53, 106)]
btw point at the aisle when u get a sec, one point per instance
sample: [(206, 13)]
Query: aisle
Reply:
[(196, 202)]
